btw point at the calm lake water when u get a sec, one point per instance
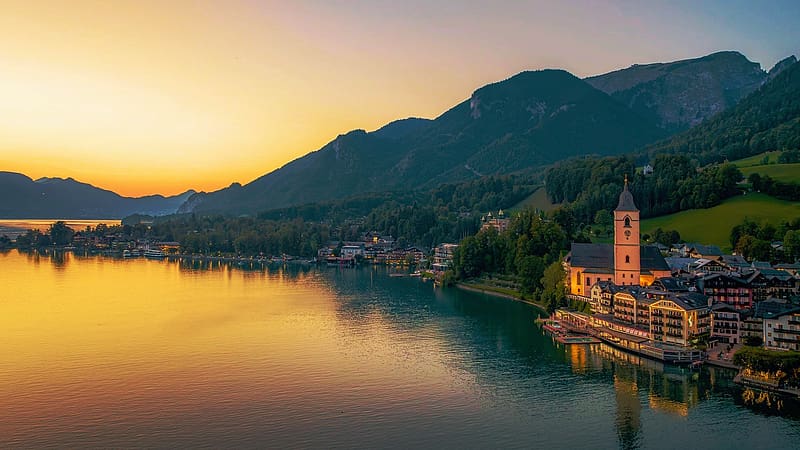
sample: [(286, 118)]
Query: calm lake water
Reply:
[(14, 227), (100, 352)]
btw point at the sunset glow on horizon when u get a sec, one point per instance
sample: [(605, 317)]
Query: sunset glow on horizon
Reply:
[(144, 97)]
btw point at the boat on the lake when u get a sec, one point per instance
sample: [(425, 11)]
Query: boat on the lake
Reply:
[(153, 253)]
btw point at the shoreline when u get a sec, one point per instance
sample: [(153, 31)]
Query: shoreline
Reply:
[(467, 287)]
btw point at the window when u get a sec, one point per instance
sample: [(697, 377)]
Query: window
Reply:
[(627, 259), (627, 222), (588, 281)]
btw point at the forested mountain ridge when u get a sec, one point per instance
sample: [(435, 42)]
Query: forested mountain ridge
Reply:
[(682, 94), (690, 169), (68, 198), (529, 120), (767, 119)]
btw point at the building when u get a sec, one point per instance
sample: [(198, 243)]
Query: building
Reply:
[(769, 282), (678, 318), (498, 222), (679, 266), (782, 330), (695, 250), (735, 263), (625, 262), (780, 320), (792, 269), (602, 297), (627, 253), (632, 305), (672, 284), (351, 251), (725, 324), (443, 256), (727, 288), (706, 265), (753, 322)]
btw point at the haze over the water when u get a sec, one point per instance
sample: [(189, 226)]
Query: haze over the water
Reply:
[(145, 96)]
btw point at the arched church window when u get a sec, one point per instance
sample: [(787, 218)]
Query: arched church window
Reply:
[(627, 258), (578, 277), (627, 222)]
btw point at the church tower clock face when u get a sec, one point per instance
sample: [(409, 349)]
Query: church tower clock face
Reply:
[(627, 234)]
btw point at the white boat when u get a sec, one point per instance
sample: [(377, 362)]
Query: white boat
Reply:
[(153, 253)]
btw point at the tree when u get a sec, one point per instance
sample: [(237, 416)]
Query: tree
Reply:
[(60, 233), (753, 248), (753, 341), (530, 270), (604, 221), (791, 245), (553, 287), (565, 218)]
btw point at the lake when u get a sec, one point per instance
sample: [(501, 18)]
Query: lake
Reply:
[(103, 352), (14, 227)]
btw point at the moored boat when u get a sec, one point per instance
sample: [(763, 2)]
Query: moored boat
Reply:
[(154, 253)]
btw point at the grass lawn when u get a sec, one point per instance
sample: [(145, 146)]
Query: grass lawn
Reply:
[(536, 200), (758, 160), (713, 226), (780, 172)]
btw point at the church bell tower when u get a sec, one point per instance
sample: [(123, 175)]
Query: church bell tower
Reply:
[(627, 264)]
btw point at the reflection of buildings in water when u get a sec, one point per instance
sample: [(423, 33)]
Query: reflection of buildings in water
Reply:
[(769, 403), (763, 400), (669, 389), (583, 359), (668, 406), (674, 393), (629, 410), (719, 377)]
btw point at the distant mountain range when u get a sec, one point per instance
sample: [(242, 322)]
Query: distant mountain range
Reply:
[(531, 119), (66, 198), (527, 121), (681, 94), (767, 119)]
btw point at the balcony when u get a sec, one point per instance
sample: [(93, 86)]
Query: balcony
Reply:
[(786, 331)]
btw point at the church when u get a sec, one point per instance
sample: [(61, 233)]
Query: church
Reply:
[(625, 262)]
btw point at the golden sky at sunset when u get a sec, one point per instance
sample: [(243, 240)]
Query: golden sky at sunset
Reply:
[(149, 97)]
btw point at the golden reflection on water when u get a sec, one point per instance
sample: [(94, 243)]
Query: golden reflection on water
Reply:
[(92, 343)]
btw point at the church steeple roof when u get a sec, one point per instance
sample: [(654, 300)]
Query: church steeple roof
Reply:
[(626, 199)]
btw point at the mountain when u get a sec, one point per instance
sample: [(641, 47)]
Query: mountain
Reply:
[(780, 66), (681, 94), (767, 119), (529, 120), (67, 198)]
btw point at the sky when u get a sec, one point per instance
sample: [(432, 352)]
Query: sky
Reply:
[(146, 96)]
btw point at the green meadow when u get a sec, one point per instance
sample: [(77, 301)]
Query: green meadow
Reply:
[(758, 160), (537, 200), (779, 172), (713, 225)]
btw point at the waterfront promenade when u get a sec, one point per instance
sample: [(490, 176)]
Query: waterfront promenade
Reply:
[(721, 355)]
